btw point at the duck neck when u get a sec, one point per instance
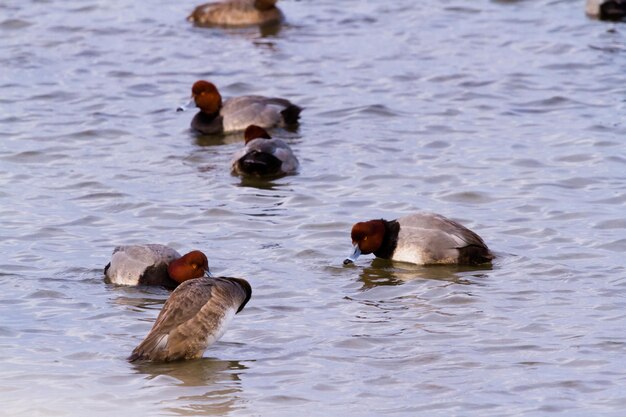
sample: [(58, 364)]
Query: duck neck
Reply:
[(390, 239), (207, 123), (207, 117)]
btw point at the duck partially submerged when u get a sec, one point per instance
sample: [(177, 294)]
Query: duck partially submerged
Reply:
[(236, 13), (195, 316), (421, 238), (237, 113), (263, 156), (154, 264), (607, 9)]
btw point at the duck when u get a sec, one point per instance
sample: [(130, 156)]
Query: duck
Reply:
[(154, 264), (194, 317), (419, 238), (237, 113), (263, 156), (607, 9), (236, 13)]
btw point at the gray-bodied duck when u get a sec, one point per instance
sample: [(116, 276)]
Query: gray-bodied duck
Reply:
[(237, 113), (421, 238), (154, 264), (263, 156)]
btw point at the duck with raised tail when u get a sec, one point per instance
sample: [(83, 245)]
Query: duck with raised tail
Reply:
[(194, 317), (237, 113), (421, 238), (236, 13), (154, 264), (263, 156)]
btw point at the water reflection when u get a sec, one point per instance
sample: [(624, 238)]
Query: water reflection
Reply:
[(139, 298), (251, 32), (218, 139), (384, 272), (260, 183), (211, 386), (221, 139), (193, 373)]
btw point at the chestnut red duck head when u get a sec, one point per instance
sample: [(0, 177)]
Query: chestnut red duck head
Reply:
[(205, 96), (192, 265), (255, 132), (367, 237)]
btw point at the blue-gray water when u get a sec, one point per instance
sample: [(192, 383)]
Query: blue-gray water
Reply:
[(505, 115)]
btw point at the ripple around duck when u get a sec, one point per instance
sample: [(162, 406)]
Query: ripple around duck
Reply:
[(14, 24), (468, 197), (35, 157)]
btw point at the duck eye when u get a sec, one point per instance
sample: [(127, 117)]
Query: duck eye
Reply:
[(365, 238), (194, 266)]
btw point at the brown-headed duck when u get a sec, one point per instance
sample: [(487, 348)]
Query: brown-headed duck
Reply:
[(421, 238), (237, 113), (263, 156), (154, 264)]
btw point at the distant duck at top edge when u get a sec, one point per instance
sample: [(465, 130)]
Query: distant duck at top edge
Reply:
[(236, 13)]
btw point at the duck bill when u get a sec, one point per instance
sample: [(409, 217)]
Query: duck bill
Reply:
[(207, 273), (353, 257), (189, 104)]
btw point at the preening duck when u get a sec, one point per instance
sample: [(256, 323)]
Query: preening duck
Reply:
[(154, 264), (195, 316)]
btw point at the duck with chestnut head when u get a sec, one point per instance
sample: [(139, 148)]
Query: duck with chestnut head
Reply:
[(263, 156), (154, 264), (237, 113), (420, 238)]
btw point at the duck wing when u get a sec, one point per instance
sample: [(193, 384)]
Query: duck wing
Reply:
[(193, 317), (443, 240)]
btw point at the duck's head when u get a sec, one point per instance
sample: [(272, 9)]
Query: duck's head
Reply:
[(205, 96), (189, 266), (367, 237), (255, 132)]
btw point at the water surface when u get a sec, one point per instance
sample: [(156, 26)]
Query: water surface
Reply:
[(505, 115)]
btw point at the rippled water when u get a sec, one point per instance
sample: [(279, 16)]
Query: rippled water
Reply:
[(505, 115)]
